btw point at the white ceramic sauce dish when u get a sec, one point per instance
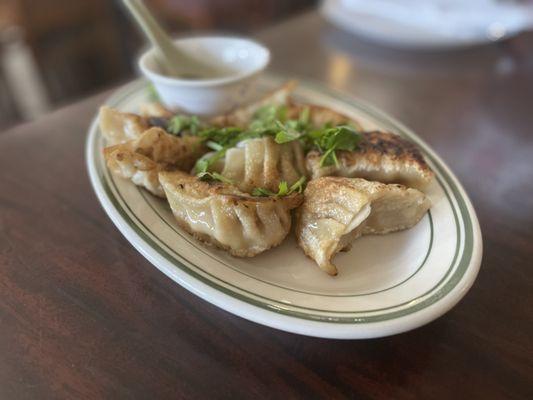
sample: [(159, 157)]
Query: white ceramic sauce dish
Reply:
[(238, 63)]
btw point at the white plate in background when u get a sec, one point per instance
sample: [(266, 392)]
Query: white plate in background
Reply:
[(430, 24)]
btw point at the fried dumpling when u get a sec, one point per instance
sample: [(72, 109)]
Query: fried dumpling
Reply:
[(241, 117), (153, 151), (119, 127), (263, 163), (221, 215), (155, 110), (319, 116), (394, 207), (337, 210), (379, 156), (329, 219)]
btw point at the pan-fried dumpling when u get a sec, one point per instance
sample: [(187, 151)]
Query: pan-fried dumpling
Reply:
[(319, 116), (337, 210), (155, 110), (329, 219), (241, 117), (263, 163), (221, 215), (118, 127), (379, 156), (153, 151), (394, 207)]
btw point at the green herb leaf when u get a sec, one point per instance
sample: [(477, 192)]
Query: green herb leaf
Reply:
[(303, 118), (194, 124), (202, 165), (214, 176), (286, 133), (283, 189), (179, 123), (271, 112), (264, 119), (152, 93), (262, 192), (222, 136), (214, 145), (329, 140), (298, 186), (328, 158)]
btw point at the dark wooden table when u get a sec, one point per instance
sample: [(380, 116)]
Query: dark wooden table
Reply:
[(84, 316)]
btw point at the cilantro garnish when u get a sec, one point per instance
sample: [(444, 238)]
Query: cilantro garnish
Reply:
[(179, 123), (272, 121), (214, 176), (329, 140), (265, 118), (153, 95), (220, 140), (286, 133), (262, 192), (283, 189)]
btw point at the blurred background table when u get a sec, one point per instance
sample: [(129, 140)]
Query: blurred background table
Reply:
[(83, 315)]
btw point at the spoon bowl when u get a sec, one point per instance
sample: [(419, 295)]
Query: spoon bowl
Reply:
[(236, 62)]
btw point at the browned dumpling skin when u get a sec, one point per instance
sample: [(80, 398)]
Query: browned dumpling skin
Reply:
[(119, 127), (156, 110), (319, 116), (222, 215), (380, 156), (142, 159), (338, 210)]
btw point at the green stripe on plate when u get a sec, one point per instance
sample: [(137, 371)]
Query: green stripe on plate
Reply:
[(146, 196), (416, 304)]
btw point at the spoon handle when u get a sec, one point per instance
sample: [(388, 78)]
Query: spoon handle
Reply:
[(159, 39)]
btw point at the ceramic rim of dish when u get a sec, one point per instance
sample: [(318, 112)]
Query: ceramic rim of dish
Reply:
[(323, 323)]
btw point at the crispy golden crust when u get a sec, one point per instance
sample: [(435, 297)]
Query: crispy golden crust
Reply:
[(141, 170), (118, 127), (179, 152), (377, 144), (153, 151), (381, 156), (328, 189)]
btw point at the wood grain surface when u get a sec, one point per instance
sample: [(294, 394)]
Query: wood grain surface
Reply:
[(84, 316)]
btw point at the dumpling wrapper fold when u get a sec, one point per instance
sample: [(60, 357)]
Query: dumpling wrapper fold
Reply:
[(153, 151), (338, 210), (263, 163), (119, 127), (222, 215), (380, 156)]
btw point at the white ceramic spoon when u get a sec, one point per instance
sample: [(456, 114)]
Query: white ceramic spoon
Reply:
[(174, 62)]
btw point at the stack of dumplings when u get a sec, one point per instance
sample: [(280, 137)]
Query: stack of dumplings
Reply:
[(239, 181)]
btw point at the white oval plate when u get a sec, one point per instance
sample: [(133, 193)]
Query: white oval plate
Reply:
[(386, 284)]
